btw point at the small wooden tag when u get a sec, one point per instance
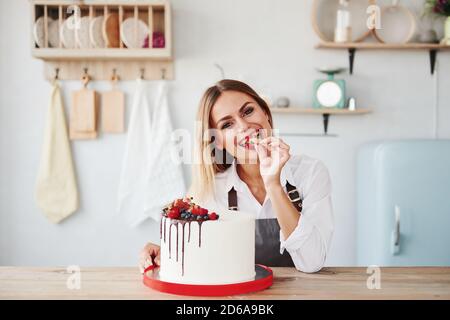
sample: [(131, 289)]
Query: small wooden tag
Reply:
[(83, 115), (83, 110), (113, 109)]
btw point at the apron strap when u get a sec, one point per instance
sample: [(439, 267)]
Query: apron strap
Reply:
[(292, 193), (232, 199)]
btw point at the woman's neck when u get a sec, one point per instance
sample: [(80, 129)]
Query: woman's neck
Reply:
[(250, 174)]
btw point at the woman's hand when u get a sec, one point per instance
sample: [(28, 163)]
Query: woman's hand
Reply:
[(273, 154), (149, 255)]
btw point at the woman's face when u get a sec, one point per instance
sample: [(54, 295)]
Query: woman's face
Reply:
[(237, 119)]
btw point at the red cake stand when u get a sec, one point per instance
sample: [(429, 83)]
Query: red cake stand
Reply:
[(263, 279)]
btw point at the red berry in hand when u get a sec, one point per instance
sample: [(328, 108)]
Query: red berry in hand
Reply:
[(213, 216)]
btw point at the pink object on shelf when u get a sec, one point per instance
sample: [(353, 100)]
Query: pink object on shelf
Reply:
[(158, 41)]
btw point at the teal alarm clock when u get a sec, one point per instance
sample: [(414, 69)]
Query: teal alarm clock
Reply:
[(330, 92)]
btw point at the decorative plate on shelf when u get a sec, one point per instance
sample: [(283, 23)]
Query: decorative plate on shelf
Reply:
[(111, 32), (39, 31), (134, 32), (82, 33), (324, 18), (67, 33), (53, 33), (96, 32)]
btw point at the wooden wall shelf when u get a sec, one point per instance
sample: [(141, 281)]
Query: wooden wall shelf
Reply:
[(382, 46), (101, 54), (351, 47), (151, 62), (323, 111)]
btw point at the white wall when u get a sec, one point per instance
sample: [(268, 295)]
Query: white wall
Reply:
[(269, 44)]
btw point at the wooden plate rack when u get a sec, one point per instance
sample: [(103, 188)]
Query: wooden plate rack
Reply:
[(150, 63)]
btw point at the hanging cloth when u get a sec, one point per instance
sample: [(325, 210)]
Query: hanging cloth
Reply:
[(165, 181), (137, 156), (150, 178), (56, 192)]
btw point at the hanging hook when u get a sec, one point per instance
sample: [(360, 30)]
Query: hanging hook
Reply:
[(56, 74), (142, 73), (85, 77), (114, 76), (163, 73)]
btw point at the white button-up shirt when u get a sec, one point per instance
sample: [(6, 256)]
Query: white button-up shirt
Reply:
[(308, 244)]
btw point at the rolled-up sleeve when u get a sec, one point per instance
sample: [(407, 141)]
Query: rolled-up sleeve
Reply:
[(309, 243)]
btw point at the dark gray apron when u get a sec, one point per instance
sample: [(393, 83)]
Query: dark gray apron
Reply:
[(267, 235)]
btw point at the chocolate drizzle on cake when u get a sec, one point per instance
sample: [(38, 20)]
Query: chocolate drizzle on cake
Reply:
[(176, 223), (173, 222), (182, 248), (200, 233), (170, 240), (164, 230), (189, 236)]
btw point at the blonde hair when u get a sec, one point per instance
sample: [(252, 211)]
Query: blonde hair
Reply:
[(205, 166)]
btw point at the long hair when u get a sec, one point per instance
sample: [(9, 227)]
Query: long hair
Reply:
[(205, 165)]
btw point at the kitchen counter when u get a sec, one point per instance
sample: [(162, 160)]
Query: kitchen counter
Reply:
[(330, 283)]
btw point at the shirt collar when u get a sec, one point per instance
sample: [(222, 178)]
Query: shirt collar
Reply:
[(233, 179)]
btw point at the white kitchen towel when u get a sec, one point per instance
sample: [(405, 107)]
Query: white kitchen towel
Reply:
[(148, 179), (165, 181), (137, 157), (56, 190)]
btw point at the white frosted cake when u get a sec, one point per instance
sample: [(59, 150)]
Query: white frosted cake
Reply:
[(198, 247)]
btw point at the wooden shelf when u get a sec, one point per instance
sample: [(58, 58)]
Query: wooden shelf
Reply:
[(102, 54), (291, 110), (324, 112), (351, 47), (382, 46)]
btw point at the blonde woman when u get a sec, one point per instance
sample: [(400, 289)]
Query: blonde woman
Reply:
[(241, 165)]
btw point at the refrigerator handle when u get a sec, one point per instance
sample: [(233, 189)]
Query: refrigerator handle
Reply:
[(395, 238)]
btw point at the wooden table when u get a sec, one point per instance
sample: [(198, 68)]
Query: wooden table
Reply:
[(330, 283)]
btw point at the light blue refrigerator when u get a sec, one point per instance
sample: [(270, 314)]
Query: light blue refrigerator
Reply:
[(403, 203)]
